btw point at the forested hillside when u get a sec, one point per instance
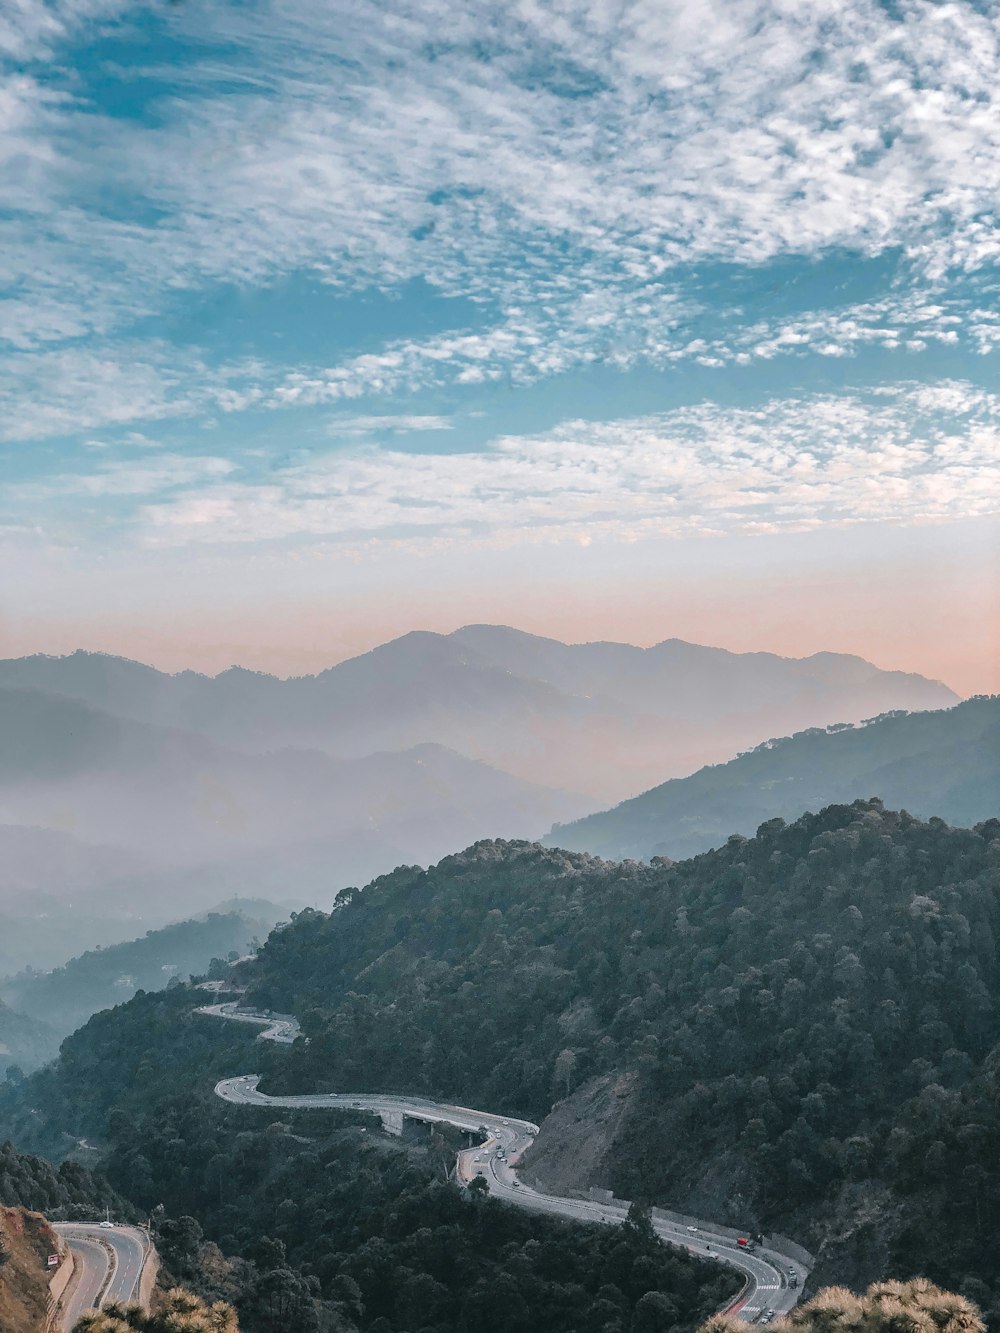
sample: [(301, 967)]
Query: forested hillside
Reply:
[(944, 763), (101, 978), (322, 1223), (809, 1018), (335, 1228), (812, 1016), (24, 1041), (70, 1192)]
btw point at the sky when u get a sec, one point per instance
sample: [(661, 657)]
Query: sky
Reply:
[(324, 322)]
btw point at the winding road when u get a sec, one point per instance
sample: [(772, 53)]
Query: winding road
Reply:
[(109, 1263), (768, 1273)]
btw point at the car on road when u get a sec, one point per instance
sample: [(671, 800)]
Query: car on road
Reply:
[(108, 1225), (692, 1228)]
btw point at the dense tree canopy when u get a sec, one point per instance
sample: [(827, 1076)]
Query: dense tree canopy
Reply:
[(813, 1016), (810, 1019), (71, 1192), (334, 1228)]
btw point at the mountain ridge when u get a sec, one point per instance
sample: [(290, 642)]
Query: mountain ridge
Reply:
[(604, 718), (942, 762)]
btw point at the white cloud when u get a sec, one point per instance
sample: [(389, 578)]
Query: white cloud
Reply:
[(398, 424), (122, 479), (902, 454), (376, 144)]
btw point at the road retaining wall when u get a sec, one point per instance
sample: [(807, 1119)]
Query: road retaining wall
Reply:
[(59, 1281), (150, 1271)]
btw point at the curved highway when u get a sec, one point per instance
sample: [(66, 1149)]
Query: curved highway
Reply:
[(109, 1262), (768, 1273), (91, 1262)]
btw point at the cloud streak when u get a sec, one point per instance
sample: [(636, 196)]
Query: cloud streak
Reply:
[(904, 455)]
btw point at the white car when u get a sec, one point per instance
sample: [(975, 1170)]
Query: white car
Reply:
[(108, 1225), (692, 1228)]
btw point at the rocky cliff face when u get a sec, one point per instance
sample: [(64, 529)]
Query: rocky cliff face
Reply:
[(26, 1239), (571, 1151)]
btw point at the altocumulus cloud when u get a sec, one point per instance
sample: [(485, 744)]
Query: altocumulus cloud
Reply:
[(567, 164), (907, 453)]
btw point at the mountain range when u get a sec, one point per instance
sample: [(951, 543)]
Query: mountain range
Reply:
[(177, 798), (605, 719), (943, 763), (128, 790)]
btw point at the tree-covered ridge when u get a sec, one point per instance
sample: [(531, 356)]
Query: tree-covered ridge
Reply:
[(813, 1016), (24, 1041), (809, 1018), (325, 1232), (945, 763), (70, 1192), (101, 978), (129, 1056)]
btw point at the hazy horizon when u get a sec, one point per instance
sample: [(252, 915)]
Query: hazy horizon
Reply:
[(906, 599)]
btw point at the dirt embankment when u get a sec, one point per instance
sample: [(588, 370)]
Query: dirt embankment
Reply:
[(26, 1241), (570, 1154)]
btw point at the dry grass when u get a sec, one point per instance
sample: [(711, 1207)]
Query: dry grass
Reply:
[(886, 1307), (26, 1239)]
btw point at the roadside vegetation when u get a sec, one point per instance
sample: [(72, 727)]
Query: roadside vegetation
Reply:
[(179, 1311), (886, 1307), (811, 1016)]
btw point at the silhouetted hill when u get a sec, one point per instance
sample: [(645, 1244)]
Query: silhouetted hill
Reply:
[(945, 763), (35, 859), (178, 798), (604, 718)]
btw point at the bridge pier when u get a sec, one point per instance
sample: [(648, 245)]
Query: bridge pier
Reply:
[(392, 1122)]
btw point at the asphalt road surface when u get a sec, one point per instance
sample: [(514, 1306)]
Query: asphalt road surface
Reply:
[(280, 1027), (92, 1264), (495, 1159), (129, 1248)]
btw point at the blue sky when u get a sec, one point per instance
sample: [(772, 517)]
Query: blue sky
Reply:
[(329, 290)]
